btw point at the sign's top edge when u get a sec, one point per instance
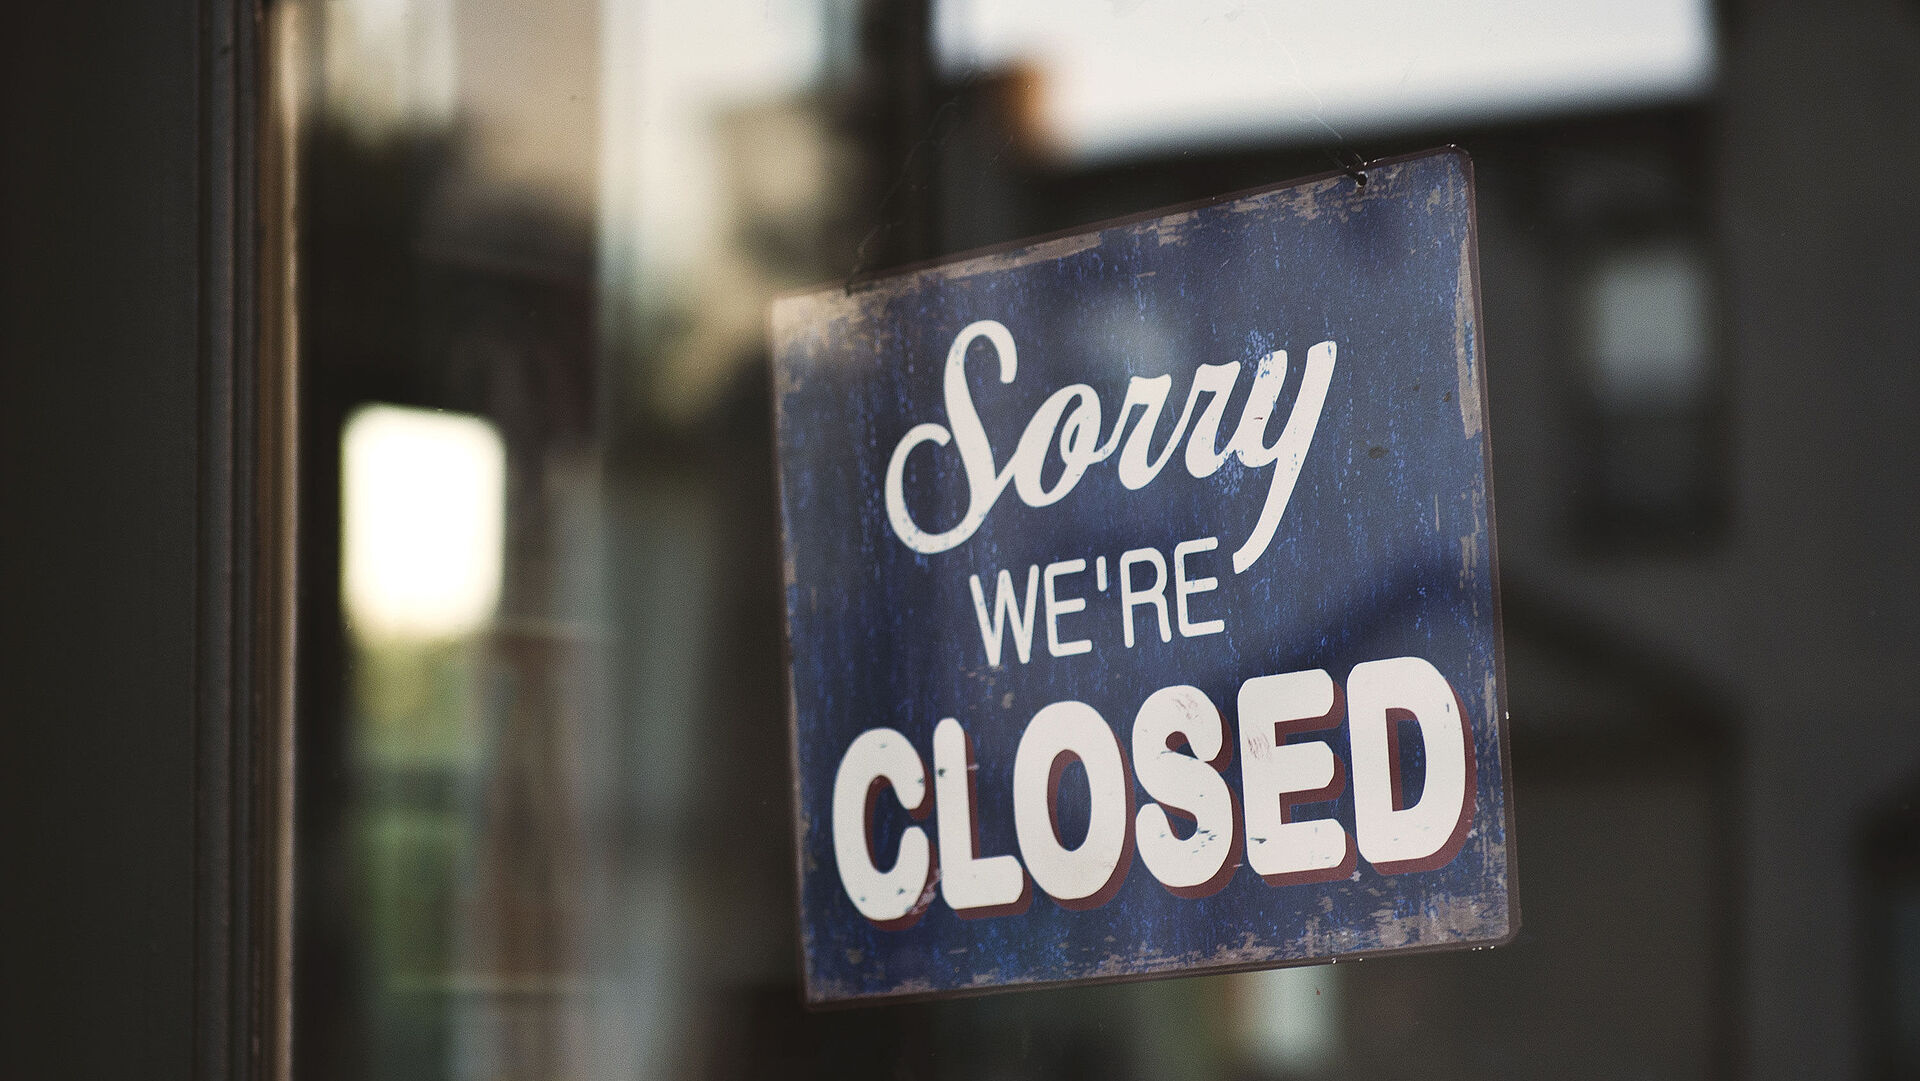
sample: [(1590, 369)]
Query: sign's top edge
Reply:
[(1060, 242)]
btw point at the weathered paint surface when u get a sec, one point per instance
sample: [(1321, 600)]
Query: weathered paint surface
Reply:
[(1385, 550)]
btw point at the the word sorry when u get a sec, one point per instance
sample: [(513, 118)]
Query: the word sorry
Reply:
[(1070, 419)]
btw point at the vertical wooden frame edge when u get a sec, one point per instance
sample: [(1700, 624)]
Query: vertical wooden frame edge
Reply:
[(243, 564)]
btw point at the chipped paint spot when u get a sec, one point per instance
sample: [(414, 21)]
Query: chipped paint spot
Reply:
[(1488, 698), (1467, 370), (1172, 229), (1046, 252)]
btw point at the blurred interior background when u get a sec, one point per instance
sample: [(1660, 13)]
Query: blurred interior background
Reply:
[(537, 244)]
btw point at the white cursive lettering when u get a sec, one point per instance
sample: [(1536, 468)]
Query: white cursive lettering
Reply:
[(1068, 424)]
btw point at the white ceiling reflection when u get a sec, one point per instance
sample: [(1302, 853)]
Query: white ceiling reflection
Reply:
[(1120, 77)]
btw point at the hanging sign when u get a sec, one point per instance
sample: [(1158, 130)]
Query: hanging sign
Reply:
[(1141, 596)]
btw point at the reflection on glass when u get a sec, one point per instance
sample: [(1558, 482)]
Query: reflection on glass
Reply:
[(389, 64), (422, 516), (1647, 325), (1289, 1019), (1125, 77), (424, 504), (561, 776)]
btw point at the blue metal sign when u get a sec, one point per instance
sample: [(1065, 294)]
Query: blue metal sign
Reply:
[(1141, 593)]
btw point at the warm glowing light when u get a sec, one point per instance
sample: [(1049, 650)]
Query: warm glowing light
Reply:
[(423, 510)]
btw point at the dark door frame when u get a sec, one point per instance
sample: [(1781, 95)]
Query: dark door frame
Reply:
[(146, 493)]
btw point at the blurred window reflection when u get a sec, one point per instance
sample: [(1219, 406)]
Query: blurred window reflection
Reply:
[(545, 824), (422, 515), (389, 64), (1647, 326), (1290, 1020), (1648, 346)]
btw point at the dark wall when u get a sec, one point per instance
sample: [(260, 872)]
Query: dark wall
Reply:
[(114, 375)]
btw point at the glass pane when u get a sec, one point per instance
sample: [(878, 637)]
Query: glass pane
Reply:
[(545, 795)]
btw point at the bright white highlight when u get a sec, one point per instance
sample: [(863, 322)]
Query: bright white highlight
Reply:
[(424, 511)]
